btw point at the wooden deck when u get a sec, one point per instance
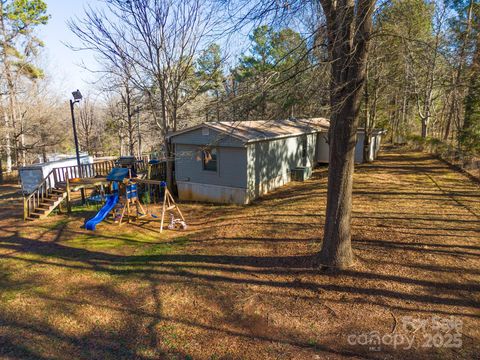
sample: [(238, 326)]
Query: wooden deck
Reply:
[(84, 183)]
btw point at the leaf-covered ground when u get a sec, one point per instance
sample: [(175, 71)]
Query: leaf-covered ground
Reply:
[(243, 283)]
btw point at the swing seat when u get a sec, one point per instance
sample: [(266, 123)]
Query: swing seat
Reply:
[(143, 215)]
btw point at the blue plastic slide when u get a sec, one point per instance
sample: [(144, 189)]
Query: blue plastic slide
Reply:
[(102, 214)]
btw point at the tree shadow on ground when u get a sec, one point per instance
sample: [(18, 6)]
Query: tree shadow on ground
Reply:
[(398, 270)]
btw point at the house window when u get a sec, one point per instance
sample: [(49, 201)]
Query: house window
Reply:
[(205, 131), (209, 159)]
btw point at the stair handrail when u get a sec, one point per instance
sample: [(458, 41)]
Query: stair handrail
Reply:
[(46, 186), (41, 191)]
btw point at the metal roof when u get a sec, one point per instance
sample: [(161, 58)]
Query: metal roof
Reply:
[(257, 130)]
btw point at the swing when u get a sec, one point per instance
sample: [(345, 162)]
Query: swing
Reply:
[(170, 206)]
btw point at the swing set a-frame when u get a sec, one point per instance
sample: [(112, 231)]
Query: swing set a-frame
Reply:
[(168, 206)]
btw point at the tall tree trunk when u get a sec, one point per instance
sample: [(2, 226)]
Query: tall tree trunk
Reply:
[(8, 134), (428, 103), (169, 164), (403, 118), (166, 142), (23, 152), (404, 98), (366, 138), (139, 136), (472, 100), (218, 104), (462, 60), (349, 25), (131, 143), (87, 142), (8, 145), (128, 103), (121, 142), (12, 101), (448, 123), (424, 128), (44, 154)]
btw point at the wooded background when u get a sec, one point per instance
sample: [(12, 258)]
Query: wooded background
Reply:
[(166, 65)]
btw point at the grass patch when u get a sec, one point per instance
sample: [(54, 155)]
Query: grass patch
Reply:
[(84, 208), (164, 248), (98, 242), (11, 287), (138, 242), (58, 224)]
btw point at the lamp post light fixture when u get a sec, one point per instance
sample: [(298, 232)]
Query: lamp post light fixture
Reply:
[(77, 96)]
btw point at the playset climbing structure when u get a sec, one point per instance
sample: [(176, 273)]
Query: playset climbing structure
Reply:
[(118, 184), (124, 202)]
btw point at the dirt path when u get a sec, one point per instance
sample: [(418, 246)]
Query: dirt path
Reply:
[(242, 283)]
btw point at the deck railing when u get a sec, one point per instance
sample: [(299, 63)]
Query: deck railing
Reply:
[(157, 171), (84, 171)]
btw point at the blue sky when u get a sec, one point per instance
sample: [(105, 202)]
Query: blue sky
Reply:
[(61, 63)]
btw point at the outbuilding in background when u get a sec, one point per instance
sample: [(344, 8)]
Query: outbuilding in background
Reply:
[(31, 176)]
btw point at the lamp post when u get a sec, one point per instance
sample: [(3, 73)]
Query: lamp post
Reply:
[(77, 96)]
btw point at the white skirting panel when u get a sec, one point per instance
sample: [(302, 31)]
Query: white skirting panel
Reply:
[(212, 193)]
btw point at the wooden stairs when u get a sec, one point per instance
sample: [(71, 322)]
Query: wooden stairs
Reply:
[(47, 204), (51, 191)]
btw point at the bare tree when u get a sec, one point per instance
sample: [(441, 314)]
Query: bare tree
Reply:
[(127, 103), (157, 41), (98, 33), (425, 91), (89, 126), (42, 118), (18, 19)]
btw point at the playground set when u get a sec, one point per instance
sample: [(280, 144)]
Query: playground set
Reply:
[(118, 185), (123, 203)]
